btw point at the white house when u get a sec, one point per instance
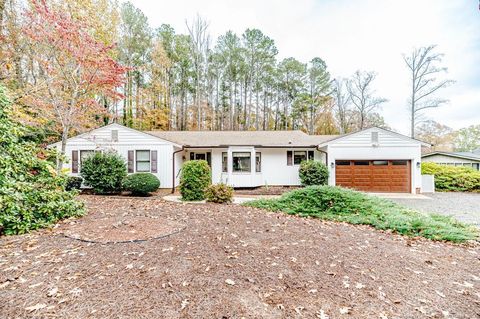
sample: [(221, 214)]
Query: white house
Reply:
[(465, 159), (374, 159)]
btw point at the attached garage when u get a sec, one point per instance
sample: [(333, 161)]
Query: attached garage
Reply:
[(375, 160), (374, 175)]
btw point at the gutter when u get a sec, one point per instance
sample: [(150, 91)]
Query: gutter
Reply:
[(251, 145), (173, 168)]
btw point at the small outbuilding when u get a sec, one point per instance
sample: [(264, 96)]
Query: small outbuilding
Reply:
[(465, 159)]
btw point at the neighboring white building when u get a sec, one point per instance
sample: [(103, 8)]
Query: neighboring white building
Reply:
[(465, 159), (374, 159)]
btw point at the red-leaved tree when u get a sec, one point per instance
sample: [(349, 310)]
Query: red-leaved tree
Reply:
[(73, 69)]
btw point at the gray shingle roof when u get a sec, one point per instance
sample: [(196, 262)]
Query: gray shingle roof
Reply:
[(469, 154), (242, 138)]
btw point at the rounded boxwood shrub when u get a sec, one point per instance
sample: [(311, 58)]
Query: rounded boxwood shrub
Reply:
[(141, 183), (195, 179), (313, 173), (73, 182), (104, 172), (219, 193)]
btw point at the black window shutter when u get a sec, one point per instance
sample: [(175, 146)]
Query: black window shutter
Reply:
[(130, 161), (289, 158), (209, 159), (310, 156), (74, 161), (192, 156), (153, 156)]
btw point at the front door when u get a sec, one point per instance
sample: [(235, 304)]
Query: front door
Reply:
[(204, 156)]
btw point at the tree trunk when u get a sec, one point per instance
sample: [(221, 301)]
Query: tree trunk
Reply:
[(257, 111), (124, 113), (246, 90), (2, 9), (235, 112), (412, 114), (62, 149), (232, 102), (265, 98)]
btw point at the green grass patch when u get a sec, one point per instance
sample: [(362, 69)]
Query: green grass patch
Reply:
[(339, 204)]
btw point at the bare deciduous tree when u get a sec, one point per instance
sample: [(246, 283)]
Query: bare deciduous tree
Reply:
[(200, 41), (362, 95), (342, 100), (423, 65)]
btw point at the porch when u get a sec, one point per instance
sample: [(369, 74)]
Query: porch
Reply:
[(235, 166), (251, 166)]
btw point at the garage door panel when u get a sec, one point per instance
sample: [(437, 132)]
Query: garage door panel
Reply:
[(377, 176), (402, 172)]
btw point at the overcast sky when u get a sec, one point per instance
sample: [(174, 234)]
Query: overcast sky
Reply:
[(352, 35)]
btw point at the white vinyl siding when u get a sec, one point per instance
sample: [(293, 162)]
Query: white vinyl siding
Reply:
[(129, 140)]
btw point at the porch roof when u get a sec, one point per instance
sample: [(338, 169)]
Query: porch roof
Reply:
[(242, 138)]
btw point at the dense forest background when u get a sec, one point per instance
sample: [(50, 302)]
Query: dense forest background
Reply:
[(71, 65)]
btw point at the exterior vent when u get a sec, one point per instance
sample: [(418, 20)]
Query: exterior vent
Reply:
[(374, 139), (114, 135)]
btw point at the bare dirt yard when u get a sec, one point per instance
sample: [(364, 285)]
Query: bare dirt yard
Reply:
[(228, 261)]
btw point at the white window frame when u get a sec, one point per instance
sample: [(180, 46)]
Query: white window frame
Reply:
[(225, 156), (250, 161), (259, 154), (149, 161), (306, 150), (80, 160), (199, 153), (293, 156)]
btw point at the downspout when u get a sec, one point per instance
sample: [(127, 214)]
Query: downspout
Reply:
[(326, 155), (173, 169)]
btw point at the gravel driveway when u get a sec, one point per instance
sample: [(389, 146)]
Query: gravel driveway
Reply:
[(463, 206)]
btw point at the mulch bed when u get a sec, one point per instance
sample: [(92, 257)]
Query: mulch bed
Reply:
[(120, 229), (231, 262)]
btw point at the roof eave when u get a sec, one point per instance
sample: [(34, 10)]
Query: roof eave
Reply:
[(422, 143), (452, 155)]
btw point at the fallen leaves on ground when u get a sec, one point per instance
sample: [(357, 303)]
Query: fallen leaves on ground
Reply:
[(231, 262)]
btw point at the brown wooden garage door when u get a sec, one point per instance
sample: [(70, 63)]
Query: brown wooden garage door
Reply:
[(374, 175)]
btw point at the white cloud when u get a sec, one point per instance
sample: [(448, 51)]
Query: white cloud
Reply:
[(351, 35)]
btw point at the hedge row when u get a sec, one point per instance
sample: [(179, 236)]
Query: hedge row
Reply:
[(453, 178)]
